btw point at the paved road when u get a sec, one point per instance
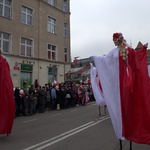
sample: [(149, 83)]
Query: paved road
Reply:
[(78, 128)]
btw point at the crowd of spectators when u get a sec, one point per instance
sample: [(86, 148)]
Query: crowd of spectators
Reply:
[(38, 99)]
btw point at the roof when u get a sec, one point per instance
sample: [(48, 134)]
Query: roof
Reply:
[(73, 70), (148, 52), (86, 72), (139, 46)]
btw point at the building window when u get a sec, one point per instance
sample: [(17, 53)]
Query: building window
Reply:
[(51, 52), (65, 54), (26, 47), (65, 29), (5, 42), (5, 8), (65, 6), (52, 2), (51, 25), (26, 15)]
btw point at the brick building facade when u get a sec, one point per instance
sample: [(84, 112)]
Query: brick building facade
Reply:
[(35, 39)]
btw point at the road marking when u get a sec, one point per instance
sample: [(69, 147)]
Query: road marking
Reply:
[(56, 114), (29, 121), (89, 106), (73, 110), (94, 104), (65, 135)]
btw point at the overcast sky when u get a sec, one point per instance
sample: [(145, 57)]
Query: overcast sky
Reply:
[(94, 21)]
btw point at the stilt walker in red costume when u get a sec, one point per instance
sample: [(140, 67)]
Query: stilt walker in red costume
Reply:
[(125, 89), (7, 104)]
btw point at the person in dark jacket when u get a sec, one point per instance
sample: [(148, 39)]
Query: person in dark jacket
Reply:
[(32, 100), (47, 98), (26, 99), (41, 99), (36, 84), (63, 97), (17, 101)]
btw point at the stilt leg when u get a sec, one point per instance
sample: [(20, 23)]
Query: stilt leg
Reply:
[(105, 109), (130, 145), (120, 144), (99, 110)]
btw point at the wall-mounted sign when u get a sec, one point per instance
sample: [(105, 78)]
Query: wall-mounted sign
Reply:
[(16, 63), (26, 67), (16, 68)]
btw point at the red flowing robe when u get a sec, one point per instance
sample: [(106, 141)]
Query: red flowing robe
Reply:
[(7, 103), (135, 97)]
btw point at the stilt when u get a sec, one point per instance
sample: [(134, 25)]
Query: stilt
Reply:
[(99, 110), (105, 109), (120, 144), (130, 145)]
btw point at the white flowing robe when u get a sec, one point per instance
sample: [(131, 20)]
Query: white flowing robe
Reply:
[(107, 68)]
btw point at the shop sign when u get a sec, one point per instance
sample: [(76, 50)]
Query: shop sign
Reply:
[(50, 70), (26, 67), (16, 68)]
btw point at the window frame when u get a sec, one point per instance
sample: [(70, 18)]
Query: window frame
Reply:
[(25, 15), (65, 29), (51, 51), (51, 25), (26, 46), (65, 54), (65, 6), (2, 40), (52, 2), (4, 6)]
